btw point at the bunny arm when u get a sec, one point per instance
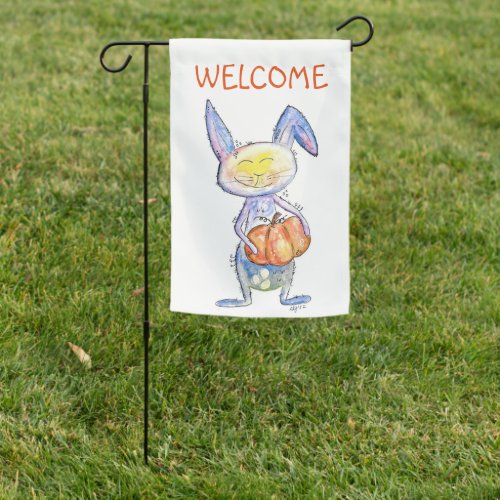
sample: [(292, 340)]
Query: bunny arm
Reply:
[(289, 208), (238, 228)]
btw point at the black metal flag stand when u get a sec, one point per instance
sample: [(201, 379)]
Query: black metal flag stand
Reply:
[(145, 98)]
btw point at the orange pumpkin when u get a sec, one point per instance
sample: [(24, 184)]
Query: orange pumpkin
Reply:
[(278, 243)]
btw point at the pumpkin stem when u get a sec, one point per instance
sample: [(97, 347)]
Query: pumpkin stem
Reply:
[(275, 218)]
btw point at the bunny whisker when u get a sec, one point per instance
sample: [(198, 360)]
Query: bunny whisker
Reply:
[(244, 183), (277, 174), (281, 171), (279, 177)]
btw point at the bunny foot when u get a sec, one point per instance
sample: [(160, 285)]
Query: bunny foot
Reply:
[(293, 301), (233, 302)]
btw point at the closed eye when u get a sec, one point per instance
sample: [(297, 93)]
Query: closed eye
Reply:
[(243, 161), (264, 159)]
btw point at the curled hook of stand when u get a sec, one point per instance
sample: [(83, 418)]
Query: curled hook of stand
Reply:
[(367, 21), (144, 43), (119, 68)]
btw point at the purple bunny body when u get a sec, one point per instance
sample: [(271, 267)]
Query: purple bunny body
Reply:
[(257, 172)]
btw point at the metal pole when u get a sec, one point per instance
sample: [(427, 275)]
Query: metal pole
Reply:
[(145, 99), (146, 325)]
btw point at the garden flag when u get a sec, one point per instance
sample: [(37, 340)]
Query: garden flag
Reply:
[(260, 177)]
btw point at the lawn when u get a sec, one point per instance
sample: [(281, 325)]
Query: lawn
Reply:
[(399, 399)]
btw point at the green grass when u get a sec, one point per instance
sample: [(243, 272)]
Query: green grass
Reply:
[(398, 399)]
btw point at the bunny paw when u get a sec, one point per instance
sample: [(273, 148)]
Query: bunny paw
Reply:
[(233, 302), (293, 301)]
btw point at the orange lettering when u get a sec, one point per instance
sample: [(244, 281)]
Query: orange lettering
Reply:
[(226, 75), (275, 68), (297, 76), (229, 80), (252, 81), (316, 74), (207, 77), (243, 87)]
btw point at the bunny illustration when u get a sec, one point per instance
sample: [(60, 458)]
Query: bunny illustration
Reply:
[(257, 172)]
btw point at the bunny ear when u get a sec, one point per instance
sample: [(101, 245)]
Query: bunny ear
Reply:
[(293, 126), (219, 135)]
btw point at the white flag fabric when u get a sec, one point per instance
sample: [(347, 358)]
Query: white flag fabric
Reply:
[(260, 177)]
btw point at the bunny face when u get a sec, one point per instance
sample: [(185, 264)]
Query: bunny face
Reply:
[(257, 169), (261, 168)]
